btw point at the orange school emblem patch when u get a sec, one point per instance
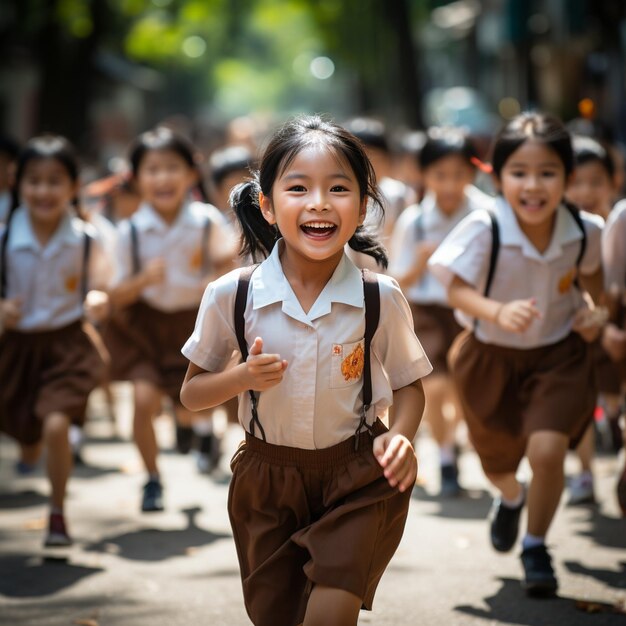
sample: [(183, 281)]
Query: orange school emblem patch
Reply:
[(566, 281), (71, 283), (352, 365), (196, 259)]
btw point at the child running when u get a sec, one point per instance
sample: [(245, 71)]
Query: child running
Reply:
[(447, 162), (49, 259), (523, 371), (320, 488), (167, 252)]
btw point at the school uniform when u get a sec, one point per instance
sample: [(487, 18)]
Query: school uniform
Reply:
[(305, 506), (145, 338), (49, 362), (512, 385), (434, 320)]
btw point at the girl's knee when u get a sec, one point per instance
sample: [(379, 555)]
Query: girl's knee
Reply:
[(55, 426), (547, 453)]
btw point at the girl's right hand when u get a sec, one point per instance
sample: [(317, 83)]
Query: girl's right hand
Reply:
[(10, 312), (517, 316), (263, 371), (154, 271)]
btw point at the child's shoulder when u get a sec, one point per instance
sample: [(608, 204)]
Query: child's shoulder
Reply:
[(618, 214), (202, 211), (591, 221)]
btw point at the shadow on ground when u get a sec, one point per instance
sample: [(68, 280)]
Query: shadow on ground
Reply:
[(151, 544), (472, 504), (612, 578), (22, 499), (604, 530)]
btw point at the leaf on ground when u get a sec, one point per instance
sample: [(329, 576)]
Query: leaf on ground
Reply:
[(600, 607)]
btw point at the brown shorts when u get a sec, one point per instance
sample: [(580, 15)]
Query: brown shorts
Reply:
[(43, 373), (436, 328), (145, 344), (507, 394), (607, 371), (305, 517)]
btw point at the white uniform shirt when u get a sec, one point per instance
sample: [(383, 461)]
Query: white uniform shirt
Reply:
[(522, 271), (433, 227), (614, 249), (316, 405), (181, 247), (48, 279)]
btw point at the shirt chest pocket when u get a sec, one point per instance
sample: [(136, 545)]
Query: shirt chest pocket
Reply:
[(347, 361)]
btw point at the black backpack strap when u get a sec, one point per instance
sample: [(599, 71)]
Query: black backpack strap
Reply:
[(575, 213), (493, 256), (419, 226), (4, 243), (371, 296), (241, 299), (134, 247), (205, 260), (84, 279)]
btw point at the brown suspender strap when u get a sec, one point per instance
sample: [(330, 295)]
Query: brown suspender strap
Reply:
[(371, 296), (241, 299)]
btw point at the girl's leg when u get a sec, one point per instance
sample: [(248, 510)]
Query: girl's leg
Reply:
[(507, 485), (147, 405), (29, 456), (58, 456), (546, 454), (506, 511), (581, 485), (328, 606)]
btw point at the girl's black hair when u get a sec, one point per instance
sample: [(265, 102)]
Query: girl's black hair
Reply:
[(48, 147), (371, 132), (535, 126), (227, 160), (259, 237), (165, 139), (446, 141), (588, 150)]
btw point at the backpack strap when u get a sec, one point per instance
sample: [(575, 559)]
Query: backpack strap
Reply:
[(419, 226), (84, 279), (241, 299), (4, 243), (493, 256), (575, 213), (134, 247), (371, 296), (205, 259)]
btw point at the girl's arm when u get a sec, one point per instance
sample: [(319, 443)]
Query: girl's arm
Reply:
[(423, 252), (593, 284), (394, 449), (129, 290)]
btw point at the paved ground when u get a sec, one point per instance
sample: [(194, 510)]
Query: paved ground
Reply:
[(179, 567)]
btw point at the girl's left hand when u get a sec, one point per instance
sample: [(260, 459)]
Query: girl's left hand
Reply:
[(396, 456), (588, 322)]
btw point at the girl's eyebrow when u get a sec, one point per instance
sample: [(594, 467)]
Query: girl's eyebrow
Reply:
[(540, 164), (293, 175)]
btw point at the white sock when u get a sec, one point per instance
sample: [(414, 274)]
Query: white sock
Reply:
[(532, 541)]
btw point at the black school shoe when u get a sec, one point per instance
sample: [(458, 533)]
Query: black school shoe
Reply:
[(539, 579), (504, 525), (152, 497)]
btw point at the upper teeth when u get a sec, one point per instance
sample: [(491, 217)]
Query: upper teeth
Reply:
[(319, 225)]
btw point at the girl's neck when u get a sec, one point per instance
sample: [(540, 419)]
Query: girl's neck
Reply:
[(169, 216), (44, 229), (540, 235)]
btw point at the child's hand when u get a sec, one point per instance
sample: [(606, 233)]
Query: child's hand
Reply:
[(263, 371), (588, 322), (517, 316), (424, 250), (154, 271), (614, 342), (396, 456), (97, 306), (10, 312)]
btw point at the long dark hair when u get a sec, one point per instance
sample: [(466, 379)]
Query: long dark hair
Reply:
[(165, 139), (258, 236)]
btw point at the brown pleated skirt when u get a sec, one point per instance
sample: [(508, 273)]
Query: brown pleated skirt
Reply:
[(508, 393), (436, 328), (305, 517), (43, 373), (145, 344)]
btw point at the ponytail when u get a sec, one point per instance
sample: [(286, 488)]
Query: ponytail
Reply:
[(366, 242), (257, 235)]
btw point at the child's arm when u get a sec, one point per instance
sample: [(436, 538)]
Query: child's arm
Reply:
[(515, 316), (203, 390), (393, 449), (129, 290), (423, 252), (10, 312)]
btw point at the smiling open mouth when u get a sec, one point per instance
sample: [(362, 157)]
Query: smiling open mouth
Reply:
[(318, 229)]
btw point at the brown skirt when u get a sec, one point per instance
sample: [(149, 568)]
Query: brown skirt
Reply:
[(305, 517), (436, 328), (43, 373), (145, 344), (607, 371), (507, 394)]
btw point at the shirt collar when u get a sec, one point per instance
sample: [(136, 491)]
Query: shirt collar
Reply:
[(565, 231), (147, 217), (269, 286), (23, 236)]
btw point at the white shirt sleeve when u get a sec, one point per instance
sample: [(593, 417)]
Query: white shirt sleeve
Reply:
[(394, 344), (592, 259), (614, 248), (213, 340), (403, 242)]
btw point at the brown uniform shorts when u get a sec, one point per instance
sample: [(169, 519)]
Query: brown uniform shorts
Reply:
[(145, 344), (43, 373), (607, 371), (507, 394), (305, 517), (436, 328)]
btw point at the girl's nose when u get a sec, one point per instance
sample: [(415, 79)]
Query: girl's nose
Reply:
[(318, 201)]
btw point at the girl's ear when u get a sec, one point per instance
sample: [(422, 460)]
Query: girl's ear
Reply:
[(266, 208), (363, 210)]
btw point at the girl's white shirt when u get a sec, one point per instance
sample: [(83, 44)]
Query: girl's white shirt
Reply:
[(47, 279), (434, 227), (316, 405), (614, 249), (522, 271), (180, 245)]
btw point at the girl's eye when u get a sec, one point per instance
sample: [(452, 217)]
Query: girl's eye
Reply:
[(299, 188), (338, 188)]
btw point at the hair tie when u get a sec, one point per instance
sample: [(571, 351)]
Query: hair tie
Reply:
[(481, 165)]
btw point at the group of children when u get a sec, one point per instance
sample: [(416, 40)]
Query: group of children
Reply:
[(327, 359)]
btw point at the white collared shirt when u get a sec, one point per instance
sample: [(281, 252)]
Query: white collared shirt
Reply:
[(614, 249), (48, 279), (434, 225), (317, 404), (180, 245), (522, 271)]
